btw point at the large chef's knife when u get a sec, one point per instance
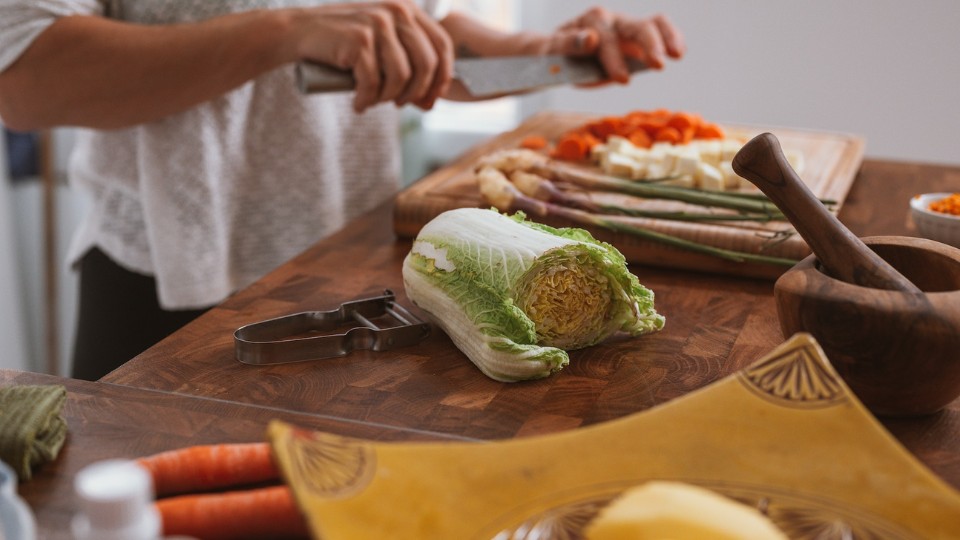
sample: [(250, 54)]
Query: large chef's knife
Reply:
[(482, 77)]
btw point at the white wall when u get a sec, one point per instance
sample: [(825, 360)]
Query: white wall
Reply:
[(23, 296), (13, 352), (884, 69)]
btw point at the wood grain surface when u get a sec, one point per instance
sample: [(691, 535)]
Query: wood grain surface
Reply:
[(107, 421), (831, 161), (715, 325)]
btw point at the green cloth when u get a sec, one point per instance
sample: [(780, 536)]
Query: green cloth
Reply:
[(32, 430)]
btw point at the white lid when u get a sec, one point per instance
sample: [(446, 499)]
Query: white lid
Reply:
[(16, 519), (116, 501)]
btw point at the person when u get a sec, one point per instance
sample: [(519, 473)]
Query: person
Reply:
[(204, 166)]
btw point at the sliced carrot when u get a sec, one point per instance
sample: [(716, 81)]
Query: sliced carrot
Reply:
[(574, 146), (652, 126), (257, 513), (636, 116), (641, 127), (709, 131), (605, 127), (209, 467), (668, 134), (683, 120), (641, 139), (534, 142)]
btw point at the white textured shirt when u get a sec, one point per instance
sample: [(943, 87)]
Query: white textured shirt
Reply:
[(211, 199)]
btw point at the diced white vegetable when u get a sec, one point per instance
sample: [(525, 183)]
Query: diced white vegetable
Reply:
[(599, 152), (619, 164), (664, 151), (618, 144), (709, 177), (729, 148), (656, 169), (685, 161), (710, 151)]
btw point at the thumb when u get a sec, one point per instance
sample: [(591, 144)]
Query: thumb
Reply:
[(575, 42)]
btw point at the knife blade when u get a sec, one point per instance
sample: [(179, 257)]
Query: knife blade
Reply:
[(482, 77)]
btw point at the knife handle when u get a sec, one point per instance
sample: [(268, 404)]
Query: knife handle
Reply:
[(314, 78)]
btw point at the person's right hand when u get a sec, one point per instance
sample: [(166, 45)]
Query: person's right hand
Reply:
[(395, 51)]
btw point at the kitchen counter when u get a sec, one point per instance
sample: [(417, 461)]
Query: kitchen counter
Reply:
[(189, 389), (716, 325), (107, 421)]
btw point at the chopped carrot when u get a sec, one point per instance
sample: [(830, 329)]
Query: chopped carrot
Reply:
[(683, 120), (709, 131), (652, 126), (636, 116), (204, 468), (572, 147), (668, 134), (641, 127), (258, 513), (640, 139), (534, 142), (605, 127)]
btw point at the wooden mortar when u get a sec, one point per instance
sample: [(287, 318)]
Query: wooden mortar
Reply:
[(898, 352), (886, 310)]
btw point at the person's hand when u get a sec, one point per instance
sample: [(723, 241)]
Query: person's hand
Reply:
[(612, 37), (395, 51)]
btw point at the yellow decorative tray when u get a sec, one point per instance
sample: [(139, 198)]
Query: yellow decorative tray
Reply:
[(784, 435)]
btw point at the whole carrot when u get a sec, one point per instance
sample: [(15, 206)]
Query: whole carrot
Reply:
[(210, 467), (257, 513)]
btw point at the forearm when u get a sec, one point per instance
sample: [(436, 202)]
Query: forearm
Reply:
[(95, 72), (473, 38)]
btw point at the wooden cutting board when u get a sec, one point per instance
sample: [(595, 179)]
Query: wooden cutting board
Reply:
[(831, 162)]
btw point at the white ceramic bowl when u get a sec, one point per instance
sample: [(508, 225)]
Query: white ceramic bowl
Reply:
[(937, 226)]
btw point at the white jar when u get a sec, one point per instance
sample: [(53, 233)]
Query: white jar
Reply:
[(16, 519), (116, 502)]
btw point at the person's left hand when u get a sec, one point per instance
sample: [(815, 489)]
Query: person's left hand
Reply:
[(612, 37)]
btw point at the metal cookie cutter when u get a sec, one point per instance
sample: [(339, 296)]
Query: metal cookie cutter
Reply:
[(288, 339)]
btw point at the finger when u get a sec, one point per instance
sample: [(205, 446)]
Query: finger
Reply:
[(443, 69), (423, 60), (672, 37), (574, 42), (642, 38), (366, 73), (608, 48), (394, 62), (608, 51)]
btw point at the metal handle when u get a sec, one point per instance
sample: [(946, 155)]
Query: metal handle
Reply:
[(314, 78)]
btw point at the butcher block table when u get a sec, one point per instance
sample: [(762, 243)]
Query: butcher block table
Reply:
[(716, 324), (190, 389), (106, 421)]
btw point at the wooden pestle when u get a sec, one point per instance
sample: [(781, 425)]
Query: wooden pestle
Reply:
[(842, 254)]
